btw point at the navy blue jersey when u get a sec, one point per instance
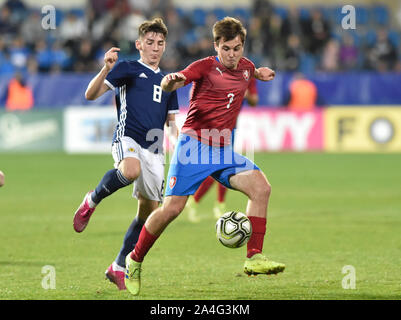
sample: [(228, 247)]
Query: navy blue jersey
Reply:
[(141, 103)]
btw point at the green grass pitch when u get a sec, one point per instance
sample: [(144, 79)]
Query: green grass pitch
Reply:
[(326, 211)]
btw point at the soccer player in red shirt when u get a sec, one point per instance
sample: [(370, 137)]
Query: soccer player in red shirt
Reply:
[(204, 149), (252, 97)]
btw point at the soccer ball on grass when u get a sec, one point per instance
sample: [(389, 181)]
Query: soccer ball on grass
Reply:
[(233, 229)]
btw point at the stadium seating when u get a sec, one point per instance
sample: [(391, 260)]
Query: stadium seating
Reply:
[(368, 18)]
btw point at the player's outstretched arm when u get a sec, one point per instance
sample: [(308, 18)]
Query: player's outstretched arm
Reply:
[(172, 129), (264, 74), (173, 81), (97, 87)]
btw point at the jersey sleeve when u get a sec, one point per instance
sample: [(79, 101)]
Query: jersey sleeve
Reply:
[(252, 87), (117, 75), (172, 104), (196, 70)]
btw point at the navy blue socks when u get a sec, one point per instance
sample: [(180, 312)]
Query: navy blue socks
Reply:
[(130, 239), (111, 182)]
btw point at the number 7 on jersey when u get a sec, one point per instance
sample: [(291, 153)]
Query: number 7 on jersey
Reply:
[(231, 96)]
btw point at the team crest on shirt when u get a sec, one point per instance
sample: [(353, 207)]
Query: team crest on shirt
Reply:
[(172, 182), (246, 75)]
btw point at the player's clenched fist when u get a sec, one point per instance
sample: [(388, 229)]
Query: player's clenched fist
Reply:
[(264, 74), (173, 81), (175, 77), (111, 57)]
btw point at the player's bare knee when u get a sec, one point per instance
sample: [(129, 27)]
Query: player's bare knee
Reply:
[(172, 209), (261, 189), (131, 173), (130, 168)]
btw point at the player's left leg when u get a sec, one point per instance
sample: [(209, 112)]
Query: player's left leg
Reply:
[(115, 272), (127, 168), (255, 185)]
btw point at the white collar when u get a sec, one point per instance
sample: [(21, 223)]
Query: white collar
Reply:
[(149, 67)]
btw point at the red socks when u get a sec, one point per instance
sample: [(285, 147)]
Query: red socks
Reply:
[(145, 242), (221, 192), (203, 188), (255, 243)]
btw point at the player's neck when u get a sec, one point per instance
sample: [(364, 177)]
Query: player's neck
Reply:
[(154, 67)]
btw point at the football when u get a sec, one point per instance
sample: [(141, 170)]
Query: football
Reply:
[(233, 229)]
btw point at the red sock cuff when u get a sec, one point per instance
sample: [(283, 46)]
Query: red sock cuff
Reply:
[(145, 242), (258, 224), (255, 243)]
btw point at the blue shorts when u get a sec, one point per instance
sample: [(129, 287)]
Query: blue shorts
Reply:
[(193, 161)]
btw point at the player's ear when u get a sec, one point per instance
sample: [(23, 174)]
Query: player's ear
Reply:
[(216, 46), (138, 45)]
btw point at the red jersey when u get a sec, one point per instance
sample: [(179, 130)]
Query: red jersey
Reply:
[(216, 98), (253, 87)]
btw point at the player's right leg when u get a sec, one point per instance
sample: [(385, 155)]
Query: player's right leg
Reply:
[(153, 228), (116, 271), (184, 178)]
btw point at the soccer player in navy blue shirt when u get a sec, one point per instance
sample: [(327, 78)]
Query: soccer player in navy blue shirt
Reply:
[(142, 111)]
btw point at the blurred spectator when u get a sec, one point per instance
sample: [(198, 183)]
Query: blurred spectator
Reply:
[(349, 53), (144, 6), (317, 32), (292, 53), (302, 95), (262, 9), (99, 7), (170, 61), (15, 5), (159, 7), (72, 27), (32, 65), (43, 56), (274, 40), (253, 43), (331, 56), (19, 53), (32, 30), (18, 10), (383, 55), (6, 67), (106, 26), (60, 59), (84, 58), (7, 26), (19, 95), (293, 23), (130, 24), (122, 6)]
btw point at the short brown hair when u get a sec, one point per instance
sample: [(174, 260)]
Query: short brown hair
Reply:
[(156, 25), (227, 29)]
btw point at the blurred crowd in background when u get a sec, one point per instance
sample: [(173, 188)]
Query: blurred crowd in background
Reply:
[(285, 38)]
